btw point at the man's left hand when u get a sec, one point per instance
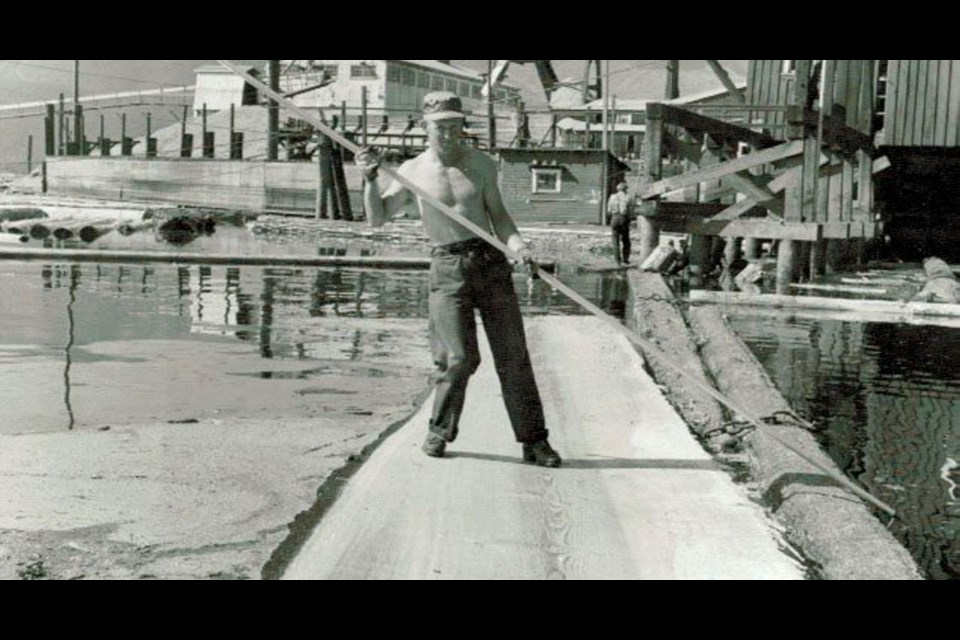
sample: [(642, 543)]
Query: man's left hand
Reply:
[(526, 260)]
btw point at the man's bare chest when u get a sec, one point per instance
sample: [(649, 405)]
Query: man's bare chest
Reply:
[(452, 185)]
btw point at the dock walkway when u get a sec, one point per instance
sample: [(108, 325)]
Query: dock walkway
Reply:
[(637, 497)]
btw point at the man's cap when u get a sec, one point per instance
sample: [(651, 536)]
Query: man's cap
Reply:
[(621, 185), (442, 105)]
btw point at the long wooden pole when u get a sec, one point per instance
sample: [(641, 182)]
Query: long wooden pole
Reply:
[(484, 234)]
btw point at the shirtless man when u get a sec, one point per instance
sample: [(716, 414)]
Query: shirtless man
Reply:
[(466, 273)]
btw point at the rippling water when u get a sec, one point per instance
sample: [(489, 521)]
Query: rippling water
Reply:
[(887, 399)]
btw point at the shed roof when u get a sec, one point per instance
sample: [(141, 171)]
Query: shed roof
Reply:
[(572, 124), (531, 153)]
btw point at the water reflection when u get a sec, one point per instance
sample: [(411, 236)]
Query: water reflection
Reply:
[(75, 324), (888, 399)]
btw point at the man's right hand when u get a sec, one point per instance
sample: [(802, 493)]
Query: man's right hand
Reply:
[(368, 159)]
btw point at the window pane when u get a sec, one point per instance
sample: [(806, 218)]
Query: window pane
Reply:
[(437, 83), (423, 80), (546, 181), (451, 85), (465, 89), (363, 71)]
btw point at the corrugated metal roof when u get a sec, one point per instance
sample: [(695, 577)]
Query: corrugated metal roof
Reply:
[(515, 153), (703, 95), (622, 104), (219, 68)]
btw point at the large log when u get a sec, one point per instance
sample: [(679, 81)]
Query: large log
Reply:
[(832, 527)]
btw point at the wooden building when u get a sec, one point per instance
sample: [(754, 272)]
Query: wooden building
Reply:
[(558, 185), (918, 129), (793, 161)]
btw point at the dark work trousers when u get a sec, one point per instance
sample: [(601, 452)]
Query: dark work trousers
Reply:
[(620, 227), (473, 275)]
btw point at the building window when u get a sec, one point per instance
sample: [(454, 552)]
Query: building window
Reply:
[(363, 70), (331, 71), (423, 80), (475, 91), (546, 180), (436, 83), (789, 67), (451, 85), (409, 77), (393, 74), (465, 89)]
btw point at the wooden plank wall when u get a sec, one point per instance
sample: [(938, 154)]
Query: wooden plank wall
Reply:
[(578, 201), (848, 91), (768, 85), (923, 103)]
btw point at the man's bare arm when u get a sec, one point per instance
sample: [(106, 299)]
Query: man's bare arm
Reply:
[(381, 207), (503, 225)]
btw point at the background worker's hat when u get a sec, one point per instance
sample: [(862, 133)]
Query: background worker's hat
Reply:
[(621, 185), (442, 105)]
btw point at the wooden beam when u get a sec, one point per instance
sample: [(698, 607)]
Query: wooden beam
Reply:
[(780, 183), (689, 150), (653, 144), (836, 133), (718, 128), (758, 228), (716, 172), (755, 188), (724, 78)]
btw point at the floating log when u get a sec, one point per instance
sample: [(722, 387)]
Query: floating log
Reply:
[(90, 232), (20, 226), (839, 287), (889, 282), (13, 214), (129, 228), (82, 229), (859, 310)]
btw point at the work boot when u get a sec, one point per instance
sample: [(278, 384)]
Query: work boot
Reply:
[(434, 446), (541, 453)]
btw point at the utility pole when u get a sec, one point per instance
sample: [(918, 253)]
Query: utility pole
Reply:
[(273, 112), (491, 122), (76, 82), (673, 80), (605, 173), (60, 123), (77, 110)]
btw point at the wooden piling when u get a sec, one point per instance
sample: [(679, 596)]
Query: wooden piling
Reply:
[(60, 125), (78, 137), (648, 227), (29, 154), (787, 253), (363, 115), (49, 132)]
